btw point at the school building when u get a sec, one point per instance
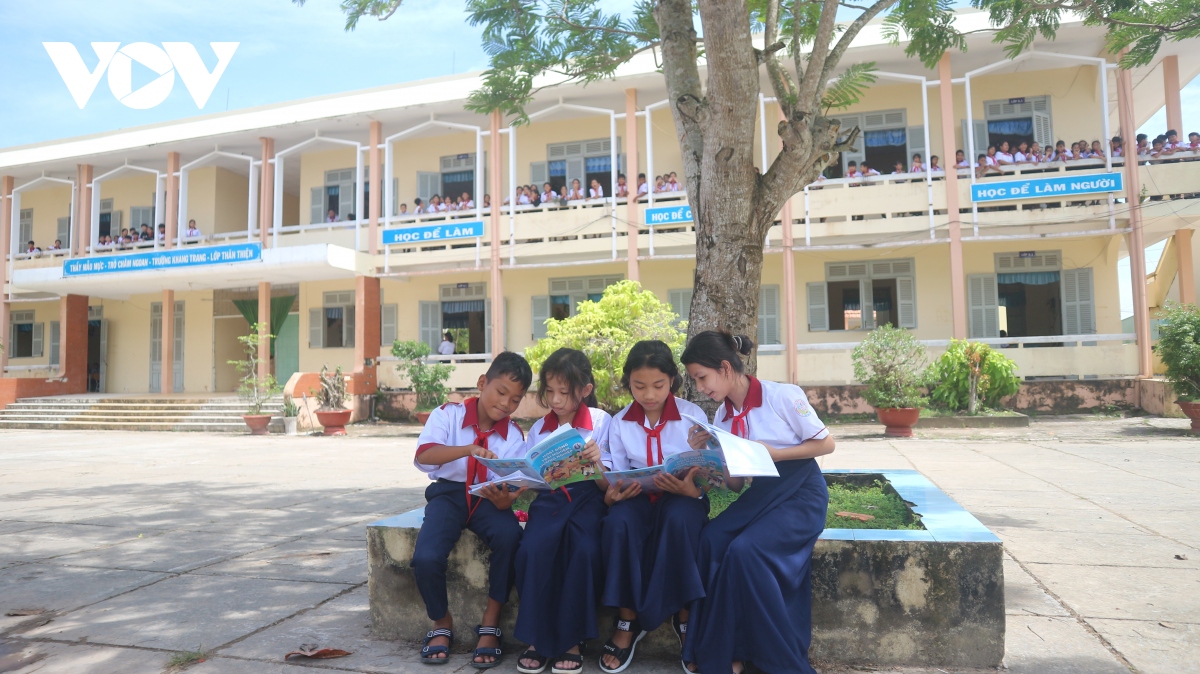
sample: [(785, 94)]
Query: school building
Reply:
[(298, 208)]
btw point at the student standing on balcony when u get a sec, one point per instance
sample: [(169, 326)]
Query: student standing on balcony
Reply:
[(622, 190), (446, 348), (576, 192), (960, 160), (332, 216), (453, 436), (756, 556), (673, 183), (1003, 156), (918, 166), (595, 191), (643, 188), (193, 232), (1115, 144), (933, 165), (548, 194), (985, 167)]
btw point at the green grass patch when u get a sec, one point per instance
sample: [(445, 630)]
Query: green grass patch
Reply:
[(938, 412), (185, 659), (888, 508)]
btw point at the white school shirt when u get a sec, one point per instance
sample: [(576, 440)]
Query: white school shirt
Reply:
[(549, 196), (592, 424), (446, 348), (673, 186), (631, 440), (1021, 157), (991, 160), (776, 414), (644, 188), (595, 192), (870, 172), (574, 195), (962, 164), (455, 425), (1005, 156), (192, 232)]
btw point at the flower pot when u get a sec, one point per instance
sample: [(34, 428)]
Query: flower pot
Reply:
[(898, 421), (333, 421), (289, 425), (423, 417), (1192, 410), (257, 422)]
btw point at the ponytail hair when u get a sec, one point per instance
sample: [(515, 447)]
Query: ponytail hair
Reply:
[(573, 367), (711, 348), (653, 354)]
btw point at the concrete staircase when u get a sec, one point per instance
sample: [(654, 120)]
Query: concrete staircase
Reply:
[(110, 413)]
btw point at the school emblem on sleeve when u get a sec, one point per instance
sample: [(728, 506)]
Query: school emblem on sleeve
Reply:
[(802, 407)]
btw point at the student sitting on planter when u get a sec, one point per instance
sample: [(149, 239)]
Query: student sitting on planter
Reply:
[(454, 435)]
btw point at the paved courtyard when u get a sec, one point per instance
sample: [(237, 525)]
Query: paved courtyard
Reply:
[(119, 550)]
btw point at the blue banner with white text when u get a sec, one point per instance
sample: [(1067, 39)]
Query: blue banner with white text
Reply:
[(453, 230), (173, 258), (1040, 188), (669, 215)]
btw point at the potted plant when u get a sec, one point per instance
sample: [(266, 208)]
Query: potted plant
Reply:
[(1179, 348), (290, 413), (891, 363), (427, 380), (332, 414), (254, 390)]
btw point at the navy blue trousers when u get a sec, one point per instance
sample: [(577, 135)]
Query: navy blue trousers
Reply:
[(560, 569), (650, 552), (445, 518), (756, 562)]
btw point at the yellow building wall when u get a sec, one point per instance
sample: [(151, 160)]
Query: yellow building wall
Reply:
[(232, 196), (312, 296), (313, 166), (201, 199), (413, 155), (128, 190), (129, 342), (48, 206), (291, 210)]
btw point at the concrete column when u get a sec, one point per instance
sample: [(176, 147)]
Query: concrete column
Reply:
[(789, 286), (264, 330), (82, 225), (6, 189), (168, 343), (1137, 249), (497, 284), (631, 169), (1170, 66), (73, 342), (367, 335), (958, 291), (1186, 278), (375, 158), (172, 205), (266, 191)]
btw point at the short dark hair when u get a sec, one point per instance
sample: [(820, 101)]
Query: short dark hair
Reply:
[(511, 365), (711, 348), (654, 354), (1141, 137), (573, 367)]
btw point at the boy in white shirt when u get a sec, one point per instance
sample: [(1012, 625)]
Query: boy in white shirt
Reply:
[(454, 435), (643, 188), (867, 171), (622, 189), (960, 159)]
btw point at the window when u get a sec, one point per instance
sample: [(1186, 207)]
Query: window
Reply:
[(337, 195), (1031, 295), (577, 160), (332, 325), (142, 215), (565, 296), (64, 231), (458, 175), (885, 140), (25, 337), (464, 312), (1016, 120), (681, 303), (862, 295), (26, 228), (389, 326)]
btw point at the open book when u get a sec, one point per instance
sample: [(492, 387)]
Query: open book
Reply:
[(514, 482), (743, 458), (553, 462), (711, 474)]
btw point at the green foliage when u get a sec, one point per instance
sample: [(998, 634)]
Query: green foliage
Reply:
[(256, 392), (332, 394), (888, 508), (972, 373), (427, 380), (290, 408), (891, 363), (847, 90), (606, 331), (1179, 348)]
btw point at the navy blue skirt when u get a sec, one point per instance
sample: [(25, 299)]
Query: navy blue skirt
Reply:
[(756, 562), (650, 555), (560, 569)]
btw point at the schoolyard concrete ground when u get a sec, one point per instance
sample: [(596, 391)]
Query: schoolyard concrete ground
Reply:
[(119, 550)]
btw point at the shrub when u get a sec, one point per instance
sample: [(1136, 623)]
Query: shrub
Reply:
[(606, 330), (891, 363), (332, 394), (427, 380), (970, 374), (256, 392), (1179, 348)]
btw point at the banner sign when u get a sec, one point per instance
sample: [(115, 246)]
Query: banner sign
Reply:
[(174, 258), (1040, 188), (670, 215), (455, 230)]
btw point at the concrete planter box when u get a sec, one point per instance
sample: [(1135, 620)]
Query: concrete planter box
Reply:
[(885, 598), (1010, 421)]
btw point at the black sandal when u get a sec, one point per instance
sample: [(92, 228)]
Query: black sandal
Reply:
[(531, 654), (568, 657), (497, 652), (428, 652), (623, 655)]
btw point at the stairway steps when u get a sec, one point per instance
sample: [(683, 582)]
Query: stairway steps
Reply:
[(133, 413)]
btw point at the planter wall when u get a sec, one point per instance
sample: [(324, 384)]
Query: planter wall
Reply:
[(1043, 397)]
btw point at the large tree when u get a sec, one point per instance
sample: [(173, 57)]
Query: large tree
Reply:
[(713, 54)]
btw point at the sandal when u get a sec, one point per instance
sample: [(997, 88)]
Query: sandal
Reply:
[(531, 654), (428, 652), (623, 655), (497, 653), (568, 657), (680, 628)]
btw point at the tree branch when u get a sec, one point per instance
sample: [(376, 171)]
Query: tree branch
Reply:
[(682, 76), (781, 80), (847, 37), (810, 87)]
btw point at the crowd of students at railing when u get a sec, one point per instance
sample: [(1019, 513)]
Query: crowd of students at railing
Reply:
[(129, 239)]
